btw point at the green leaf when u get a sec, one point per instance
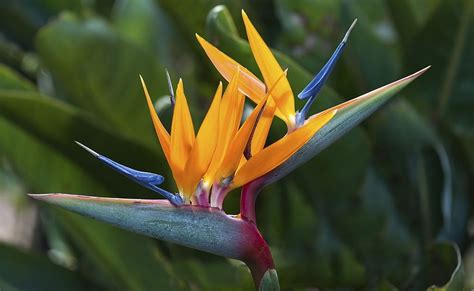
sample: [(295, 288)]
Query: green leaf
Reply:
[(112, 252), (11, 80), (409, 16), (59, 124), (445, 93), (139, 22), (124, 260), (191, 21), (20, 20), (372, 40), (419, 161), (211, 272), (442, 269), (415, 13), (20, 270), (109, 66), (404, 18)]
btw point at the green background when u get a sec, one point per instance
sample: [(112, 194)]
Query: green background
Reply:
[(387, 207)]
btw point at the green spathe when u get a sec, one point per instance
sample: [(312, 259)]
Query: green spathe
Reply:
[(205, 229)]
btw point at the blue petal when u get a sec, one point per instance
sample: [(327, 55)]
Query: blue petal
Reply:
[(146, 179), (312, 89)]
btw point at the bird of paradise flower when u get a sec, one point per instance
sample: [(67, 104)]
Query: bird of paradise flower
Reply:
[(226, 154)]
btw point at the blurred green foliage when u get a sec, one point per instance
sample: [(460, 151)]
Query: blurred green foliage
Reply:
[(385, 208)]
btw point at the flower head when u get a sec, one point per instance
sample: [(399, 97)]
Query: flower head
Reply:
[(227, 153), (224, 154)]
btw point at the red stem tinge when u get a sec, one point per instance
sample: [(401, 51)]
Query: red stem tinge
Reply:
[(258, 256), (248, 198)]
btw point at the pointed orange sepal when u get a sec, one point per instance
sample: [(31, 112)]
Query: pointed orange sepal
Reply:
[(182, 136), (230, 114), (204, 146), (271, 71), (161, 132), (272, 156)]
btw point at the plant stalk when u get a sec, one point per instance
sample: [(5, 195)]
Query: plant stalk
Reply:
[(248, 198), (259, 259)]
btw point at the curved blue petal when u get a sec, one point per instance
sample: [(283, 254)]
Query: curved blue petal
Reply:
[(146, 179), (312, 89)]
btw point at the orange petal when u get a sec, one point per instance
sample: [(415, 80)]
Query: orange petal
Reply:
[(249, 85), (227, 67), (161, 132), (204, 146), (271, 71), (243, 160), (263, 127), (277, 153), (230, 114), (239, 142), (182, 136)]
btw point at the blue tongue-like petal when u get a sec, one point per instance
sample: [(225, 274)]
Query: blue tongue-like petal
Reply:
[(146, 179), (311, 91), (313, 88)]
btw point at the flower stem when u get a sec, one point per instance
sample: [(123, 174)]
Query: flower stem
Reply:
[(247, 201), (259, 260)]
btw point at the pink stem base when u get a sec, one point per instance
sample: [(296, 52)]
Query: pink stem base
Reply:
[(257, 256), (248, 198)]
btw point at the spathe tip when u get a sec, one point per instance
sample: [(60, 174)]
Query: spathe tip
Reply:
[(43, 196), (37, 196), (418, 73)]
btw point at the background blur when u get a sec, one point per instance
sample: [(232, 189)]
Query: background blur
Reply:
[(375, 211)]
